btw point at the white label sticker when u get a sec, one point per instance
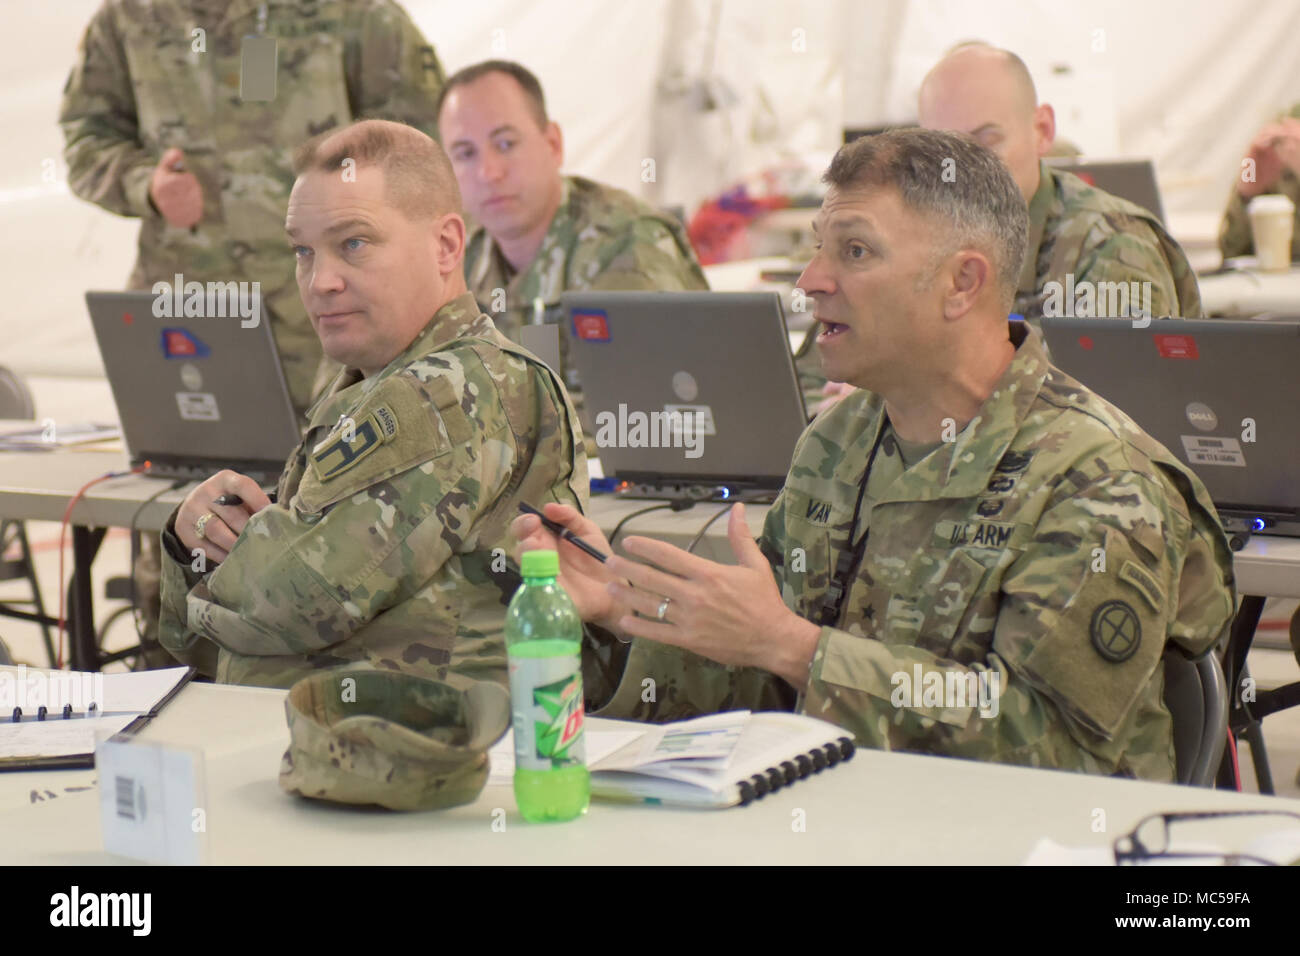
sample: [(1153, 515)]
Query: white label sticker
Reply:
[(1205, 450), (698, 419), (198, 406), (152, 801)]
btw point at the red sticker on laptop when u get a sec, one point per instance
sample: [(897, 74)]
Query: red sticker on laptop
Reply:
[(182, 343), (591, 325), (1176, 346)]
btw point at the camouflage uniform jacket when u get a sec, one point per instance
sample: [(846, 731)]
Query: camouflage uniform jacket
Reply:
[(138, 87), (1235, 237), (379, 549), (1053, 544), (1080, 230), (600, 238)]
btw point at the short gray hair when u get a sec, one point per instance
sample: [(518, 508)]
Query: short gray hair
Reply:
[(952, 180)]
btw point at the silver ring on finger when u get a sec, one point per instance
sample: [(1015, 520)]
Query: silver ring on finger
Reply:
[(663, 608), (201, 526)]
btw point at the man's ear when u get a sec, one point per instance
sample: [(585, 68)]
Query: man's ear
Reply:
[(554, 137), (449, 238), (969, 273), (1044, 128)]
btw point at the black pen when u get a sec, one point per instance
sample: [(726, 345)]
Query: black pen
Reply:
[(563, 532), (235, 501)]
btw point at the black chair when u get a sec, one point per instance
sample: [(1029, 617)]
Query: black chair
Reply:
[(15, 551), (1247, 711), (1196, 694)]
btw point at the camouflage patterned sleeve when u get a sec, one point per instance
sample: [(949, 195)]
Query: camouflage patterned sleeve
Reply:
[(373, 519), (107, 164), (1132, 253), (1071, 680), (1235, 238), (392, 70), (176, 580), (650, 258)]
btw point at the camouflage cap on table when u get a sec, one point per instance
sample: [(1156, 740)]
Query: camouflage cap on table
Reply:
[(396, 740)]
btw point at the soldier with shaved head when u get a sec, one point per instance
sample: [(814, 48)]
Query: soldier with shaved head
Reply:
[(1074, 228), (385, 545)]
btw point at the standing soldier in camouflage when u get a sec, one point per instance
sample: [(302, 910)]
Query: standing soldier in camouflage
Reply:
[(1274, 156), (386, 545), (968, 517), (541, 233), (156, 125)]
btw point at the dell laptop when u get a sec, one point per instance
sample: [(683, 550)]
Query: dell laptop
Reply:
[(1220, 395), (687, 394), (194, 394)]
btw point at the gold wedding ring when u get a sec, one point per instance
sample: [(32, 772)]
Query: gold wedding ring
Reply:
[(200, 526)]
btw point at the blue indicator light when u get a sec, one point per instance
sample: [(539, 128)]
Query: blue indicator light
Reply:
[(1259, 524)]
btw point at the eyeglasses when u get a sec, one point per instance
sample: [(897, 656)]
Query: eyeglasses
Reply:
[(1149, 840)]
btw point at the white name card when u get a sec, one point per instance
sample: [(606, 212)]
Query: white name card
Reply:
[(152, 801)]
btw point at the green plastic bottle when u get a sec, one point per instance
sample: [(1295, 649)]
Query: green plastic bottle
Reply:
[(544, 645)]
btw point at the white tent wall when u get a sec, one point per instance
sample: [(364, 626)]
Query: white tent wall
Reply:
[(1183, 81)]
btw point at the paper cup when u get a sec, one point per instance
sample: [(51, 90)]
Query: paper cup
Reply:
[(1272, 220)]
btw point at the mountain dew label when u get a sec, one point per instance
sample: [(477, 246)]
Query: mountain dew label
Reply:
[(546, 700)]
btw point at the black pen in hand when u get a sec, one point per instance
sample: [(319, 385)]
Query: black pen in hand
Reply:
[(557, 528), (234, 501)]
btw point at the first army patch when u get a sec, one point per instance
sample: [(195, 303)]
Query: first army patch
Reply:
[(352, 441)]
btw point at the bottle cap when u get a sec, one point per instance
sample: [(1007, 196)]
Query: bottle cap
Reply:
[(539, 564)]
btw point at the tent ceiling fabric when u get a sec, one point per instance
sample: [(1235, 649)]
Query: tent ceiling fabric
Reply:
[(1186, 82)]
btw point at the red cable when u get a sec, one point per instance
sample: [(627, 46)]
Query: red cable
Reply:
[(1236, 768), (63, 529)]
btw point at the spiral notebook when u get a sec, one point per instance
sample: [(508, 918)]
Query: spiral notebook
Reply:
[(723, 760), (50, 719)]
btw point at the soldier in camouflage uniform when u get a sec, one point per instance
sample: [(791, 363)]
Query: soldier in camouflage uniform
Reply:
[(1101, 239), (146, 86), (1074, 229), (1025, 533), (540, 233), (1276, 169), (385, 547)]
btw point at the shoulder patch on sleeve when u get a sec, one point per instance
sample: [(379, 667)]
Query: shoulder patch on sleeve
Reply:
[(1145, 583), (392, 431), (349, 443), (1116, 631)]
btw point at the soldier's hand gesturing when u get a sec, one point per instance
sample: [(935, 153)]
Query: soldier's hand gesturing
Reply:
[(220, 524), (583, 578), (175, 192), (732, 614)]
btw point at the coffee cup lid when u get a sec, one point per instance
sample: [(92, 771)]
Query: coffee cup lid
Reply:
[(1271, 203)]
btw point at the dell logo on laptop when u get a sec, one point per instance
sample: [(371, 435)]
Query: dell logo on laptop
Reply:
[(1202, 416)]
